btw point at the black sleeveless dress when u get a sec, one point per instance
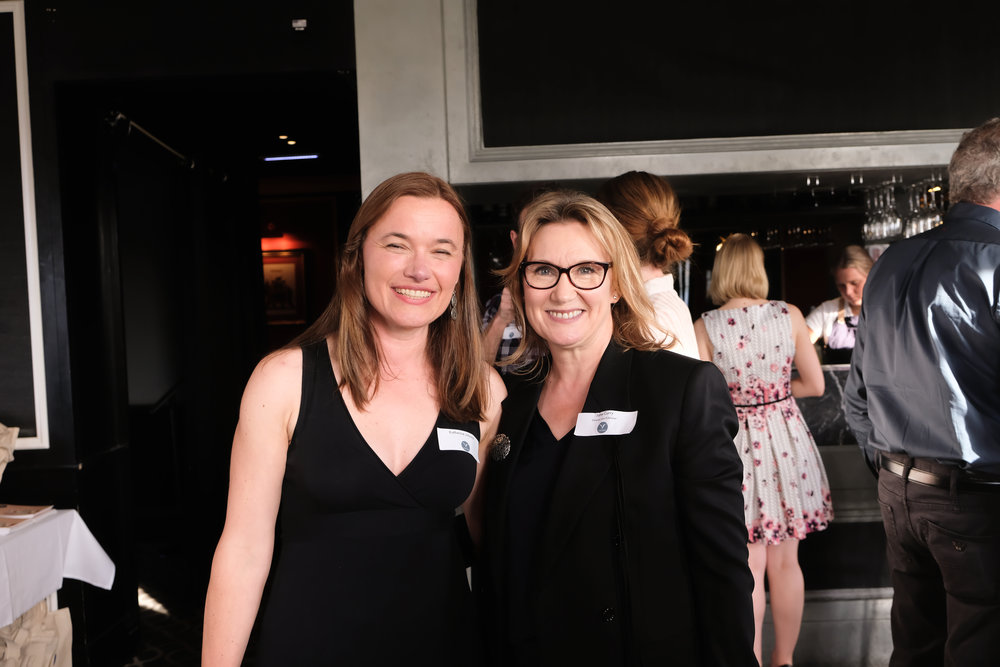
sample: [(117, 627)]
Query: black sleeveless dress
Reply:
[(369, 568)]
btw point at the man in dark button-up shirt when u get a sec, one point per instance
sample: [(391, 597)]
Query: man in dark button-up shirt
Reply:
[(923, 399)]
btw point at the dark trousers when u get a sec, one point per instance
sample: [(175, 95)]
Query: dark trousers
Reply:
[(943, 549)]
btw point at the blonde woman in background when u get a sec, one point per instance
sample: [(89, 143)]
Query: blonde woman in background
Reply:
[(836, 320), (786, 496), (648, 208)]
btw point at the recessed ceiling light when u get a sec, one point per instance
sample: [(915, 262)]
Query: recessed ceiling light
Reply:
[(282, 136), (291, 142), (281, 158)]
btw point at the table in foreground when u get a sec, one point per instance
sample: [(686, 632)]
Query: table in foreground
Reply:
[(35, 558)]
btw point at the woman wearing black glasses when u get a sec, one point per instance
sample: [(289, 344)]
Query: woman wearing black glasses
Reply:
[(614, 524)]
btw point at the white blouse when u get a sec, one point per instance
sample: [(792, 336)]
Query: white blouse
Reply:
[(672, 315)]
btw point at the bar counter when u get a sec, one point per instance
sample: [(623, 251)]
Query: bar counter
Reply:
[(848, 596)]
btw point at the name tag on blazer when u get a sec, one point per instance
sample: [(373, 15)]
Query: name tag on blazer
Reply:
[(457, 440), (609, 422)]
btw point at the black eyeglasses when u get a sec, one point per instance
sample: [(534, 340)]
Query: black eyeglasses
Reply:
[(585, 275)]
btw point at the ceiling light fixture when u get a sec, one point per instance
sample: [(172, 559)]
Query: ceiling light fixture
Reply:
[(281, 158), (282, 136), (291, 142)]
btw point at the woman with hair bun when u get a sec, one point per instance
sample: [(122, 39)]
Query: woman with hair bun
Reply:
[(649, 211)]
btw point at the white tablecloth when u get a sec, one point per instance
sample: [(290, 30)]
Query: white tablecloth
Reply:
[(35, 557)]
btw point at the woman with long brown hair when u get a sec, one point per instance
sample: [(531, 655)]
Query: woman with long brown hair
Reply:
[(362, 438)]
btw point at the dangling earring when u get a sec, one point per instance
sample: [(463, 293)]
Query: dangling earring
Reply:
[(454, 306)]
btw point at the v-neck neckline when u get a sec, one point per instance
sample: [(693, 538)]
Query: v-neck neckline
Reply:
[(361, 437)]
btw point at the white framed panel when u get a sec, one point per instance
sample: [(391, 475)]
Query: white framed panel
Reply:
[(470, 162), (41, 438)]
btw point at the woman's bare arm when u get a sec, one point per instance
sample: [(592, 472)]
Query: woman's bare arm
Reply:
[(810, 380), (472, 508), (243, 557), (705, 349)]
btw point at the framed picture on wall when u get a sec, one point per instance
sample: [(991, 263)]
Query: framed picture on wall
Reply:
[(23, 398), (284, 286)]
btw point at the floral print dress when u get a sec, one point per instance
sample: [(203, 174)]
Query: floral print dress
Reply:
[(785, 489)]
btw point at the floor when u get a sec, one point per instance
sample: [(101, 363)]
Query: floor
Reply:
[(853, 610), (168, 638), (171, 598)]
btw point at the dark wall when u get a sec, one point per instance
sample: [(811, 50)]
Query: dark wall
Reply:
[(154, 234), (182, 53), (150, 264), (190, 75), (591, 71)]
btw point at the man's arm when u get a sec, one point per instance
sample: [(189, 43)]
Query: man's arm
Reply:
[(856, 397), (493, 333)]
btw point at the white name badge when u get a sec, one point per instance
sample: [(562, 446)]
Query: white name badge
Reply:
[(609, 422), (461, 441)]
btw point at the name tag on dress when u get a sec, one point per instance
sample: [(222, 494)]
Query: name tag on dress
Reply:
[(461, 441), (609, 422)]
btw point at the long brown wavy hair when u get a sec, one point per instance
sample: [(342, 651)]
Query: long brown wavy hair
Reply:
[(633, 314), (454, 347)]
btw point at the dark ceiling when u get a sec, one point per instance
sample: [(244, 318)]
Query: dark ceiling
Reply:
[(218, 82), (234, 122)]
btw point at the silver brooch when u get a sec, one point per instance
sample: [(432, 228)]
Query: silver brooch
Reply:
[(500, 447)]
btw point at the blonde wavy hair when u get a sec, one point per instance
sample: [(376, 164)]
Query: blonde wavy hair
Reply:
[(738, 271), (854, 257), (633, 313)]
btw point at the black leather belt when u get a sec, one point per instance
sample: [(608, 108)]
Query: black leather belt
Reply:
[(928, 478)]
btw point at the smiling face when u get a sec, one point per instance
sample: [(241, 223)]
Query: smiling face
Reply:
[(850, 283), (412, 261), (566, 317)]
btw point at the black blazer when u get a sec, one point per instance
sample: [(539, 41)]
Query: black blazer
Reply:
[(643, 556)]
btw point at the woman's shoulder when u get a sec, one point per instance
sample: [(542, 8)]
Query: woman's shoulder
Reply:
[(827, 307), (277, 372), (658, 361), (661, 373), (274, 386), (286, 361), (786, 308), (780, 306)]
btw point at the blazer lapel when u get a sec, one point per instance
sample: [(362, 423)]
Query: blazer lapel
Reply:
[(589, 459)]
